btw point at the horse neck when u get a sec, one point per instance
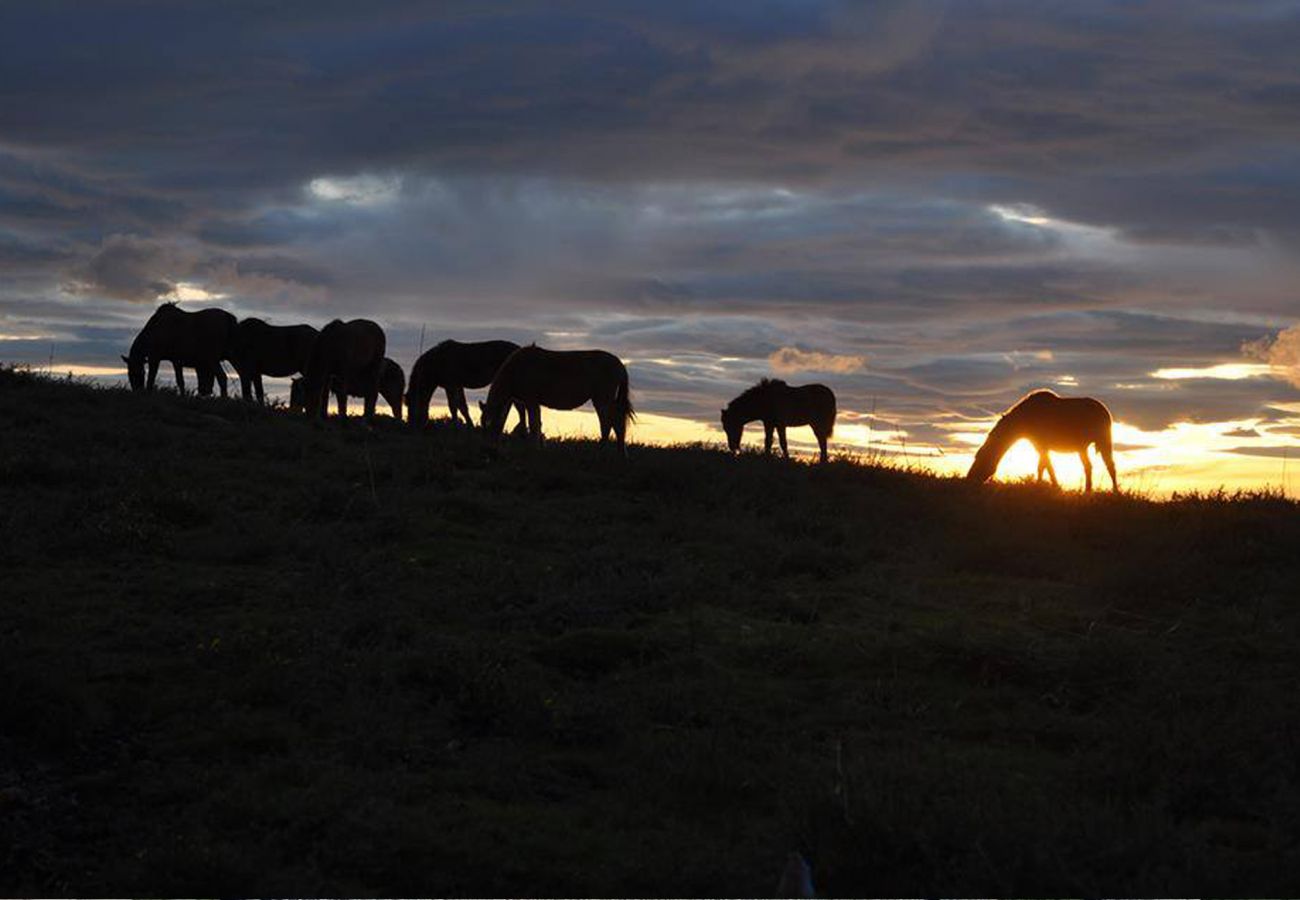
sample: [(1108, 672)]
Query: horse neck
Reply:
[(1009, 430), (752, 406), (140, 346)]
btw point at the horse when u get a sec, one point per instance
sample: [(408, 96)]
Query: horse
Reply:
[(454, 366), (352, 352), (1050, 422), (779, 406), (392, 384), (259, 349), (559, 379), (199, 340)]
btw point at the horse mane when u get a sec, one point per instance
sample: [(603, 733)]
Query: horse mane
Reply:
[(764, 385), (1032, 396)]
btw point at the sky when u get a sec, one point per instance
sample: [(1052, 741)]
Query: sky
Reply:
[(932, 207)]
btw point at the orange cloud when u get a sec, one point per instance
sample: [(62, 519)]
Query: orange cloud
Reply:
[(1281, 352), (788, 360)]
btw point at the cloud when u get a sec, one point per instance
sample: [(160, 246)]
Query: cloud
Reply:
[(789, 360), (126, 267), (1281, 352), (710, 190)]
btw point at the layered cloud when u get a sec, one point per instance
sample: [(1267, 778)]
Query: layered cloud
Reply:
[(979, 197), (1282, 353)]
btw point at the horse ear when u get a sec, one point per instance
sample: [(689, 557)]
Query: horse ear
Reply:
[(125, 360)]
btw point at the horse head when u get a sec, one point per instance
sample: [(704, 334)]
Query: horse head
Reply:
[(135, 371), (989, 454), (487, 420), (734, 427)]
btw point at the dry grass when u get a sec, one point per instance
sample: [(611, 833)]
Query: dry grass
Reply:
[(245, 653)]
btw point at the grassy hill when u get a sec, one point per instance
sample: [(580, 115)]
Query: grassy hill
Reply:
[(241, 653)]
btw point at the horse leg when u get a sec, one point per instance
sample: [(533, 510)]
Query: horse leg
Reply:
[(204, 378), (780, 433), (1051, 472), (245, 383), (464, 407), (341, 402), (1042, 467), (221, 380), (1104, 448), (535, 423), (1087, 470), (821, 442), (372, 397), (180, 377), (260, 388), (521, 427), (1110, 467), (603, 417), (153, 374), (767, 439), (620, 432)]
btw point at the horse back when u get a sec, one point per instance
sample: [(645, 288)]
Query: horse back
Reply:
[(1067, 423), (347, 349), (809, 404), (196, 338), (561, 379)]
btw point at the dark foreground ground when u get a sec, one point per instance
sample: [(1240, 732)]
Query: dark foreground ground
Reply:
[(244, 653)]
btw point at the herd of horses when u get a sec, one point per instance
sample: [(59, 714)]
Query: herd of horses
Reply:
[(347, 359)]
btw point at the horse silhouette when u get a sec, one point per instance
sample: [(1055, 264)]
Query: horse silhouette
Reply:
[(353, 353), (559, 379), (258, 349), (197, 340), (454, 366), (392, 384), (1050, 422), (778, 406)]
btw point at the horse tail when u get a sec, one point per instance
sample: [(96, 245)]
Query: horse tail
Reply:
[(623, 399)]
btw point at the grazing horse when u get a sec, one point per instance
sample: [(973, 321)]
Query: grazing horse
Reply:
[(559, 379), (1050, 423), (454, 366), (259, 349), (200, 340), (779, 406), (392, 384), (352, 352)]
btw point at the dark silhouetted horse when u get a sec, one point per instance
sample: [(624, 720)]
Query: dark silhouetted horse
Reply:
[(454, 366), (198, 340), (259, 349), (779, 406), (392, 384), (352, 352), (1050, 423), (559, 379)]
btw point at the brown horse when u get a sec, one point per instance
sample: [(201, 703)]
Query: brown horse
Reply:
[(392, 384), (259, 349), (779, 406), (199, 340), (559, 379), (352, 352), (1050, 423), (454, 366)]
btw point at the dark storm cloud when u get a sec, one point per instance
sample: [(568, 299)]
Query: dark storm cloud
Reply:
[(979, 197)]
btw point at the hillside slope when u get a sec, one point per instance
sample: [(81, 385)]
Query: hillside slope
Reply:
[(243, 653)]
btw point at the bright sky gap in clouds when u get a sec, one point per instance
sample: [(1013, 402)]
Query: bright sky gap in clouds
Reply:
[(933, 207)]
